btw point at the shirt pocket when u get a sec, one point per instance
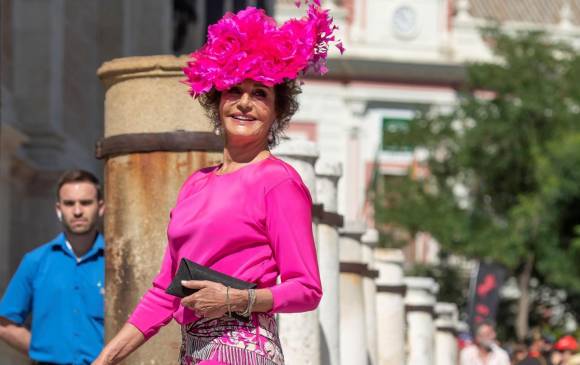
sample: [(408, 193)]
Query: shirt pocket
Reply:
[(94, 298)]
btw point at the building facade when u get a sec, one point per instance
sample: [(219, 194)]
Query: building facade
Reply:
[(403, 57)]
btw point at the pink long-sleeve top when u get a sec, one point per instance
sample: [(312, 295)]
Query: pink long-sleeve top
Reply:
[(254, 224)]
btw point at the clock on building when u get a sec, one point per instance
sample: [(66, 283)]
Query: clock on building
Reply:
[(405, 22)]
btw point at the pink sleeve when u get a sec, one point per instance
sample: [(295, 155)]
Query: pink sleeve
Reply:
[(289, 226), (156, 308)]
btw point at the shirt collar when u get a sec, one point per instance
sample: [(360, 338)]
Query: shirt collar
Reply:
[(60, 242), (99, 242)]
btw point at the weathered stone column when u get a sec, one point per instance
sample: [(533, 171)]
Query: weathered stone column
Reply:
[(353, 337), (446, 352), (420, 308), (327, 175), (148, 27), (369, 242), (390, 307), (10, 141), (300, 332), (146, 163)]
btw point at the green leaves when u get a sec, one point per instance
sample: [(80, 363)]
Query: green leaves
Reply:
[(504, 165)]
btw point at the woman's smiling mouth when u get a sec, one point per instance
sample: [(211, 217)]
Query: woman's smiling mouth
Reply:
[(243, 118)]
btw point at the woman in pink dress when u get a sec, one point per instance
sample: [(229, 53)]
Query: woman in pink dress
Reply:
[(249, 217)]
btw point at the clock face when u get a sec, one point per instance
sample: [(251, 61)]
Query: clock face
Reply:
[(405, 22)]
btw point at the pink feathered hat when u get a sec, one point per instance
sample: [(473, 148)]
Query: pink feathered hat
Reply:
[(250, 45)]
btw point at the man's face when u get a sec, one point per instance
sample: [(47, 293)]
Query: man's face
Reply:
[(79, 207), (486, 335)]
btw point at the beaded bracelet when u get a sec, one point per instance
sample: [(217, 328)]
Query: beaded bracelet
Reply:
[(251, 301)]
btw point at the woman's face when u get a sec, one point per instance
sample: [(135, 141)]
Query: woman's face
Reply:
[(247, 112)]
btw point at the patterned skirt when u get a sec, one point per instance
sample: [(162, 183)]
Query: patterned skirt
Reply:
[(231, 341)]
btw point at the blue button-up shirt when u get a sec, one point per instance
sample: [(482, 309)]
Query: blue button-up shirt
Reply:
[(65, 296)]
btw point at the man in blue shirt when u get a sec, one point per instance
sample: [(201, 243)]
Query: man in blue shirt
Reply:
[(61, 283)]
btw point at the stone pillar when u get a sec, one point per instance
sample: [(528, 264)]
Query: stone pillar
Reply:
[(462, 327), (10, 141), (147, 27), (369, 242), (358, 24), (352, 199), (146, 163), (327, 176), (353, 337), (38, 23), (300, 332), (446, 351), (420, 309), (390, 307)]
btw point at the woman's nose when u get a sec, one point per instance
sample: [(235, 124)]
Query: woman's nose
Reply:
[(245, 103)]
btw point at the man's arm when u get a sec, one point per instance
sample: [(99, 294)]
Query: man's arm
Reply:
[(14, 335), (15, 306)]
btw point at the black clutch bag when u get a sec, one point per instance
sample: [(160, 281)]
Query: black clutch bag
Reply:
[(189, 270)]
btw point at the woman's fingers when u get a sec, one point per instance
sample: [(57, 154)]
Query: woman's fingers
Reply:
[(209, 300), (189, 301), (208, 312), (196, 284)]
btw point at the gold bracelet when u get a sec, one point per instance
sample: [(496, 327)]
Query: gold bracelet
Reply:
[(228, 301), (252, 293)]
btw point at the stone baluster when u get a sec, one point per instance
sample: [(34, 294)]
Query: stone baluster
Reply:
[(369, 243), (327, 176), (446, 317), (300, 332), (420, 310), (353, 343), (390, 307)]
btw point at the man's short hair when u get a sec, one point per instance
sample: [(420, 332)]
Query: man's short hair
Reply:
[(72, 176)]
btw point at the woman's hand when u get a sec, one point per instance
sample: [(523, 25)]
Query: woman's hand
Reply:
[(210, 301), (122, 345), (100, 361)]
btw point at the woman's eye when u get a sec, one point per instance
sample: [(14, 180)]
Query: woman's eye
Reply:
[(260, 93), (234, 90)]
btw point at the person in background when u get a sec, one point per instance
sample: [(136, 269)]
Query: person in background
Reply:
[(548, 347), (61, 283), (519, 353), (485, 350), (536, 351), (564, 350)]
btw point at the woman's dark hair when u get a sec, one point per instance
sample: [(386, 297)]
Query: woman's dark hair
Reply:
[(286, 105), (78, 176)]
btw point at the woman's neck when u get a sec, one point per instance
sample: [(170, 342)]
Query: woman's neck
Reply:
[(236, 157)]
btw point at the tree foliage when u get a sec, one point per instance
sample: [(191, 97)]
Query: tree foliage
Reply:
[(504, 165)]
